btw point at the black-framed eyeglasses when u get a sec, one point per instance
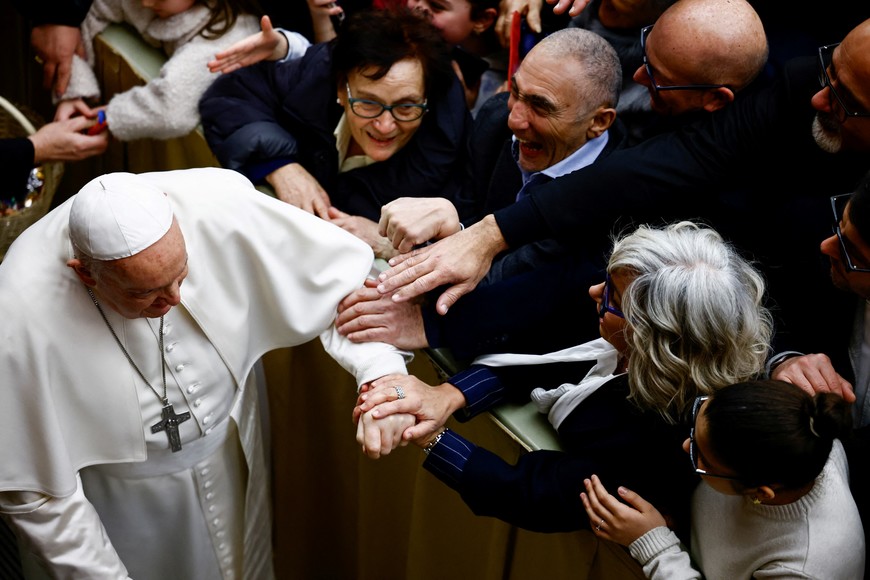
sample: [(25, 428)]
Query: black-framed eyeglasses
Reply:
[(838, 206), (843, 111), (644, 32), (605, 306), (402, 112), (693, 447)]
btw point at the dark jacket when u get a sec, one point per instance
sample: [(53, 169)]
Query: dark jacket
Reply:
[(605, 435), (752, 171), (533, 299), (262, 117)]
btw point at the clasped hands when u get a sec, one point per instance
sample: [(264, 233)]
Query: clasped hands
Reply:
[(385, 421)]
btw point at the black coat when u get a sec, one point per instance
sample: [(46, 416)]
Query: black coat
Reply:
[(262, 117)]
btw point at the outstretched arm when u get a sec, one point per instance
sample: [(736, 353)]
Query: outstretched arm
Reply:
[(268, 44)]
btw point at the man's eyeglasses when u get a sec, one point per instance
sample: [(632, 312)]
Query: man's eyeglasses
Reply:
[(838, 205), (843, 111), (605, 306), (693, 447), (644, 32), (403, 112)]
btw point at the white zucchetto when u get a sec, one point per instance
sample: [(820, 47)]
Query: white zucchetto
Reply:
[(118, 215)]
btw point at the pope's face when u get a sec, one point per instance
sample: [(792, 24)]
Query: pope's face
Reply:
[(148, 284)]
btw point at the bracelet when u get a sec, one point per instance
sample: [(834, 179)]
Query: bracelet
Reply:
[(434, 442)]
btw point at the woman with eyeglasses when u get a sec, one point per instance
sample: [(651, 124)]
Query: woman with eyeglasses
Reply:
[(375, 114), (680, 314), (776, 503)]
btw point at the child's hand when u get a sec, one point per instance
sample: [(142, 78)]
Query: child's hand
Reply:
[(268, 44), (613, 520), (73, 108)]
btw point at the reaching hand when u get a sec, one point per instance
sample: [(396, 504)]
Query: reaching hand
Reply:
[(813, 373), (294, 185), (268, 44), (365, 229), (366, 315), (64, 141), (462, 259), (55, 45), (613, 520), (431, 406), (411, 221)]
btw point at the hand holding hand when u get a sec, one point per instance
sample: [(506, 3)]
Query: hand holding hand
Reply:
[(462, 259), (613, 520), (294, 185), (431, 406), (813, 373), (411, 221), (366, 315), (268, 44), (379, 436)]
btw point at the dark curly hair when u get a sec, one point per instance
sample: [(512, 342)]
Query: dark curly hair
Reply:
[(379, 38)]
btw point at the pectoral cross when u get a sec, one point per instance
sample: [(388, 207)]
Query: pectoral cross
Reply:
[(169, 423)]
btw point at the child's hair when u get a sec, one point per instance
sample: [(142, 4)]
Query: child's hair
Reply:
[(770, 431), (224, 14), (378, 39), (695, 319)]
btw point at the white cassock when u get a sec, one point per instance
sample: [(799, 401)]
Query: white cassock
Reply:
[(103, 496)]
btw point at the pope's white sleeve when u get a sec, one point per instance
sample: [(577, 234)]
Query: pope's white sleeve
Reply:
[(64, 534), (366, 361)]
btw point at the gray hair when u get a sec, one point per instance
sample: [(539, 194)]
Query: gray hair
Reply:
[(694, 314), (601, 81)]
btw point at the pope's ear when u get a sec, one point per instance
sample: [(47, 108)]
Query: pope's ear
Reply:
[(83, 273)]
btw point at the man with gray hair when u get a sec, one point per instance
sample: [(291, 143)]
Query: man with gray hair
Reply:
[(129, 413)]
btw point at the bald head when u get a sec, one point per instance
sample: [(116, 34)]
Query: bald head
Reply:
[(718, 42)]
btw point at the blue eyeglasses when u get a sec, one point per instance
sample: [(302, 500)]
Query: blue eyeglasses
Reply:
[(644, 32), (605, 306)]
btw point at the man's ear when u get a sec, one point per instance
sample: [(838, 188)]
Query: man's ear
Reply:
[(83, 273), (601, 122), (486, 20), (718, 98)]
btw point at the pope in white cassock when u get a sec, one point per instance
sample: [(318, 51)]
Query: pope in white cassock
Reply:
[(132, 317)]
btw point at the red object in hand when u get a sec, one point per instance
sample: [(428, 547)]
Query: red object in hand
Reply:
[(100, 125), (514, 50)]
